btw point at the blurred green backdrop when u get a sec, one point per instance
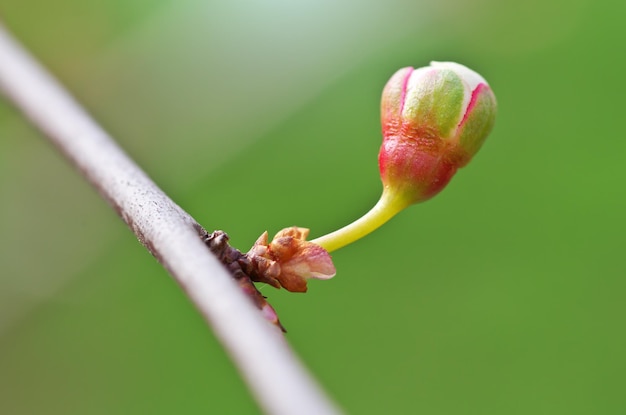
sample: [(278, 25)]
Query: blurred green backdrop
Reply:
[(503, 295)]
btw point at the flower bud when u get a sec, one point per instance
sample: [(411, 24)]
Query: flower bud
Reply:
[(434, 119)]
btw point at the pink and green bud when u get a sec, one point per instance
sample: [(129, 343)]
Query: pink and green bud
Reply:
[(434, 119)]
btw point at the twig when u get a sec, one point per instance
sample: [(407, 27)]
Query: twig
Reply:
[(274, 374)]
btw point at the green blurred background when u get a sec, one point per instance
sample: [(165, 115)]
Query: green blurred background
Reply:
[(503, 295)]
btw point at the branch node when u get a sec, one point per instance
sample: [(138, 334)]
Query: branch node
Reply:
[(245, 269)]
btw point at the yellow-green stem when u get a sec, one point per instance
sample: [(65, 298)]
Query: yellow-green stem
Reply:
[(387, 207)]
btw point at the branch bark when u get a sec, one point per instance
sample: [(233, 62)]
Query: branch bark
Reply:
[(277, 379)]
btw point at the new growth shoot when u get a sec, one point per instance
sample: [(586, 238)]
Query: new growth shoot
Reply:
[(434, 120)]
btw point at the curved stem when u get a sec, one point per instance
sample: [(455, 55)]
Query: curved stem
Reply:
[(387, 207)]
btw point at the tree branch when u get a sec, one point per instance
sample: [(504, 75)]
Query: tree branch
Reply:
[(277, 379)]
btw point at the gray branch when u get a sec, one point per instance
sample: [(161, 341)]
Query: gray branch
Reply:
[(276, 377)]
